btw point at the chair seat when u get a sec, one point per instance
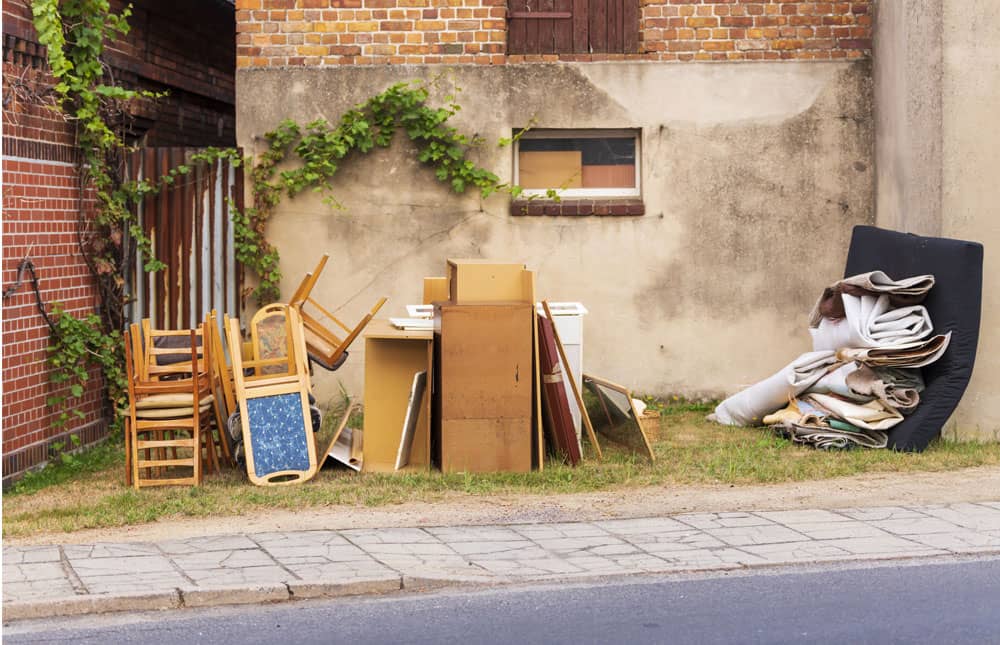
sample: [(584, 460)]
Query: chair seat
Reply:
[(172, 400), (171, 413)]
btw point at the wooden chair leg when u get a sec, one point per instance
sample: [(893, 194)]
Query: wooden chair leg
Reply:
[(129, 460)]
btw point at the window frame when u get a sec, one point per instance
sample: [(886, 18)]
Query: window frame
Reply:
[(583, 193)]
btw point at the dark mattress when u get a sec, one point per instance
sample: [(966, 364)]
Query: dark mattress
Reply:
[(954, 305)]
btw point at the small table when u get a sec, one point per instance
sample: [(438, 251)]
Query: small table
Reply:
[(392, 358)]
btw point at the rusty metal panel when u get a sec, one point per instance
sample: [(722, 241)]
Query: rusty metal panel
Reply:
[(188, 223)]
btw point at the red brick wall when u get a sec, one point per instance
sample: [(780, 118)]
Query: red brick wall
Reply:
[(185, 48), (278, 33)]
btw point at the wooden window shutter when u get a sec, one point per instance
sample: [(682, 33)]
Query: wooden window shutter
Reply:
[(572, 26)]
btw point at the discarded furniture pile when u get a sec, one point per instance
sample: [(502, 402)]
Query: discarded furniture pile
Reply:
[(475, 379), (877, 362)]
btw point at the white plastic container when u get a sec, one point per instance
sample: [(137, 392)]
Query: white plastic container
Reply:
[(568, 320)]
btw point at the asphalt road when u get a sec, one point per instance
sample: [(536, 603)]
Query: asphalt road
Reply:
[(943, 603)]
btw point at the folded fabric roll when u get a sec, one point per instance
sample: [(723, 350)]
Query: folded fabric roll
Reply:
[(865, 381), (870, 321), (749, 406), (873, 415), (916, 354), (829, 438), (902, 293), (836, 382)]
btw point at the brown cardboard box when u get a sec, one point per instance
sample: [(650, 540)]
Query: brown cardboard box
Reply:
[(472, 281), (483, 386)]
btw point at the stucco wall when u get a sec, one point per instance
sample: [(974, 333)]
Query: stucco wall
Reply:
[(752, 176), (971, 192), (937, 86)]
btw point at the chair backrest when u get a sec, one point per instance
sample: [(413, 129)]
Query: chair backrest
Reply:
[(954, 304), (167, 352), (273, 346)]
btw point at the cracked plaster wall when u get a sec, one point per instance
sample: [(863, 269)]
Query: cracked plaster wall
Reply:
[(752, 177)]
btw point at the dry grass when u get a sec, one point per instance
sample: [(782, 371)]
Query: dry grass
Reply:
[(689, 451)]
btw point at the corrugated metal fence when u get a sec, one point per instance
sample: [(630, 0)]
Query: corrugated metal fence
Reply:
[(191, 232)]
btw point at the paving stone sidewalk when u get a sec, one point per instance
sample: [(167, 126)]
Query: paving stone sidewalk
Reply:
[(41, 581)]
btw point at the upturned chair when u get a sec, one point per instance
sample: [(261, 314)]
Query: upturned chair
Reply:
[(324, 346)]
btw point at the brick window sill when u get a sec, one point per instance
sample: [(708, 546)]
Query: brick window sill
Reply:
[(578, 207)]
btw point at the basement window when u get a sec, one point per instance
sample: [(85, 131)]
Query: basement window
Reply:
[(593, 172)]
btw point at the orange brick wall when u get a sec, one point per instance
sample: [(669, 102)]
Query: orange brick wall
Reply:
[(280, 33)]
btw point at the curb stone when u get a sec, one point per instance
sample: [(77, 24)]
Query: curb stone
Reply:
[(95, 604), (307, 589), (234, 595)]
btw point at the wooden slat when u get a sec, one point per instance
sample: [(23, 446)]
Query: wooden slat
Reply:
[(201, 308), (598, 20), (516, 29), (163, 240), (562, 36), (185, 217), (176, 245), (630, 26), (165, 463), (541, 15), (149, 226), (233, 270), (581, 26)]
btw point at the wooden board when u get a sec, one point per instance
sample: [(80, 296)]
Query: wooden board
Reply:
[(435, 290), (486, 445), (478, 281), (555, 403), (550, 169)]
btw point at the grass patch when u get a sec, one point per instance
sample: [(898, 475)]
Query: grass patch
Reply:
[(689, 451)]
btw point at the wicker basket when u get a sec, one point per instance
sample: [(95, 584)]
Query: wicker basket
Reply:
[(650, 423)]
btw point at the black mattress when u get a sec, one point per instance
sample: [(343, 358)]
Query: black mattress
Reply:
[(954, 305)]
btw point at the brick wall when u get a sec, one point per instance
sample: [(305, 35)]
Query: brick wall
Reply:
[(278, 33), (186, 49)]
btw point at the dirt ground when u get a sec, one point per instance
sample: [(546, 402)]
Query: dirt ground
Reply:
[(884, 489)]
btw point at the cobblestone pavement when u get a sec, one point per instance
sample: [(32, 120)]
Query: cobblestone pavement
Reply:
[(72, 579)]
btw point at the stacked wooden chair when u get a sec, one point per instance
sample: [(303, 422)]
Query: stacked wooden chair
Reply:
[(272, 390), (168, 428)]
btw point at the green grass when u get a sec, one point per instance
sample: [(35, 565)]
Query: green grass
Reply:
[(689, 451)]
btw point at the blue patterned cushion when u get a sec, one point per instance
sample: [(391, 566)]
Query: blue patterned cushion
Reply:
[(278, 434)]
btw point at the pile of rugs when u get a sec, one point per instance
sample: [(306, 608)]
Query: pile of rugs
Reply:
[(870, 338)]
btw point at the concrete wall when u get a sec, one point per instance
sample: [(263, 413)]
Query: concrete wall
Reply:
[(937, 86), (971, 192), (753, 176)]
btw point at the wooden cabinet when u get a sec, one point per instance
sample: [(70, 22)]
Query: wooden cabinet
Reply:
[(483, 387), (392, 358)]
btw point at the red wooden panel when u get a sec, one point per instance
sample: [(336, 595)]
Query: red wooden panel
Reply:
[(558, 418), (614, 26), (581, 28), (517, 35), (562, 36), (598, 20)]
